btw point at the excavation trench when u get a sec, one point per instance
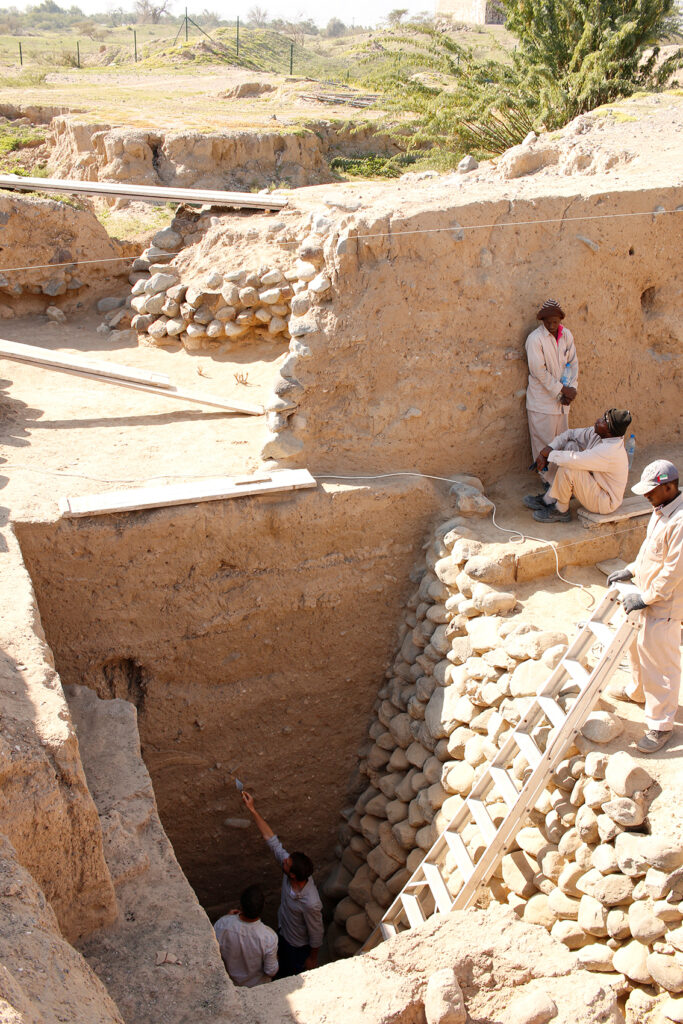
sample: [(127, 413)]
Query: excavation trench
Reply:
[(252, 637)]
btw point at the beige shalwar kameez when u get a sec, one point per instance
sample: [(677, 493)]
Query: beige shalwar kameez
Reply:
[(656, 654), (593, 468), (547, 358)]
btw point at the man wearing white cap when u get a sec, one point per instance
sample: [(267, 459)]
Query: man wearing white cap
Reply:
[(658, 573), (553, 376)]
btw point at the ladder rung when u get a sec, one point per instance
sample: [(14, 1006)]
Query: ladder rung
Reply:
[(459, 851), (483, 819), (416, 884), (413, 910), (505, 785), (552, 711), (388, 930), (442, 896), (602, 632), (528, 747), (576, 670)]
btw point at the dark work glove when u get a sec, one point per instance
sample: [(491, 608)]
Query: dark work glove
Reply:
[(620, 576), (633, 603)]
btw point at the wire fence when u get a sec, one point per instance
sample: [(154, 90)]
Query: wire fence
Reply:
[(257, 49)]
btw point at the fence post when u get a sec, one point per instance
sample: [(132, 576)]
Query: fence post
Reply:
[(238, 35), (186, 26), (78, 54), (291, 58), (21, 57), (135, 44)]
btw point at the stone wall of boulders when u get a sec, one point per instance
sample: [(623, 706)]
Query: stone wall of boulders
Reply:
[(238, 304), (587, 865)]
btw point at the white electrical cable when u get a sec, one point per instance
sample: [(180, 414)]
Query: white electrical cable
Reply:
[(521, 537), (513, 533)]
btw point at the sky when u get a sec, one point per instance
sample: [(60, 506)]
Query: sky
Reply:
[(358, 12)]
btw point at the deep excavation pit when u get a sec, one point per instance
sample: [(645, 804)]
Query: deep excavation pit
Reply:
[(285, 641), (250, 636)]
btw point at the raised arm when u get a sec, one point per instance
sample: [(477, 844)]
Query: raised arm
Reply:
[(261, 823)]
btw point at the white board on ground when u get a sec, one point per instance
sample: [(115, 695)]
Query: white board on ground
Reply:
[(120, 376), (215, 489), (630, 507), (63, 361)]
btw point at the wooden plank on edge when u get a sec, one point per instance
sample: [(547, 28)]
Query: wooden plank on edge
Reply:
[(630, 507), (215, 489), (121, 376), (200, 196), (63, 361)]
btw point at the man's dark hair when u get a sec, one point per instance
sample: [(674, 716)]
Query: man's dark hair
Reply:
[(251, 901), (302, 866)]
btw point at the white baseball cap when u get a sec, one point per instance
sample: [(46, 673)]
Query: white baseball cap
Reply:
[(660, 472)]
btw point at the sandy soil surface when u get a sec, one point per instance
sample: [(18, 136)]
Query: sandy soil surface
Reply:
[(119, 98), (64, 434)]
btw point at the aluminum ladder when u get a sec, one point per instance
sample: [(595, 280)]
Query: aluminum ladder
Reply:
[(541, 736)]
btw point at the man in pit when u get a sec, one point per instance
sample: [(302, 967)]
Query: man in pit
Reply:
[(248, 946), (300, 921), (553, 376)]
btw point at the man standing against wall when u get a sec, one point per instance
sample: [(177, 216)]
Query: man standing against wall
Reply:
[(300, 921), (658, 573), (551, 356)]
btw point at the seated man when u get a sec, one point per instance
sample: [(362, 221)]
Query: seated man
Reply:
[(248, 946), (592, 464)]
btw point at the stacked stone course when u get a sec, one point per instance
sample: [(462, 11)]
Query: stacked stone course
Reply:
[(241, 304), (584, 865)]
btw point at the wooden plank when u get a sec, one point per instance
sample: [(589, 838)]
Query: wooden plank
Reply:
[(630, 507), (610, 565), (123, 377), (63, 361), (202, 196), (194, 397), (185, 494)]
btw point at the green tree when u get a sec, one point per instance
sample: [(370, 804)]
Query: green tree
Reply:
[(396, 16), (577, 54), (572, 56), (335, 28)]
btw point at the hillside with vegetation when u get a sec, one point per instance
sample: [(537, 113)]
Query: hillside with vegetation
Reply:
[(460, 89)]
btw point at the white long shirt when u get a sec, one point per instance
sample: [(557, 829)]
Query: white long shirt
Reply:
[(604, 458), (658, 568), (248, 949), (547, 358)]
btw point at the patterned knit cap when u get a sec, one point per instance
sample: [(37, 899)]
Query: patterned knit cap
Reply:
[(550, 307), (618, 420)]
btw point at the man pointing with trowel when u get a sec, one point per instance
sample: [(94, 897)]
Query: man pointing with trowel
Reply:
[(300, 921)]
